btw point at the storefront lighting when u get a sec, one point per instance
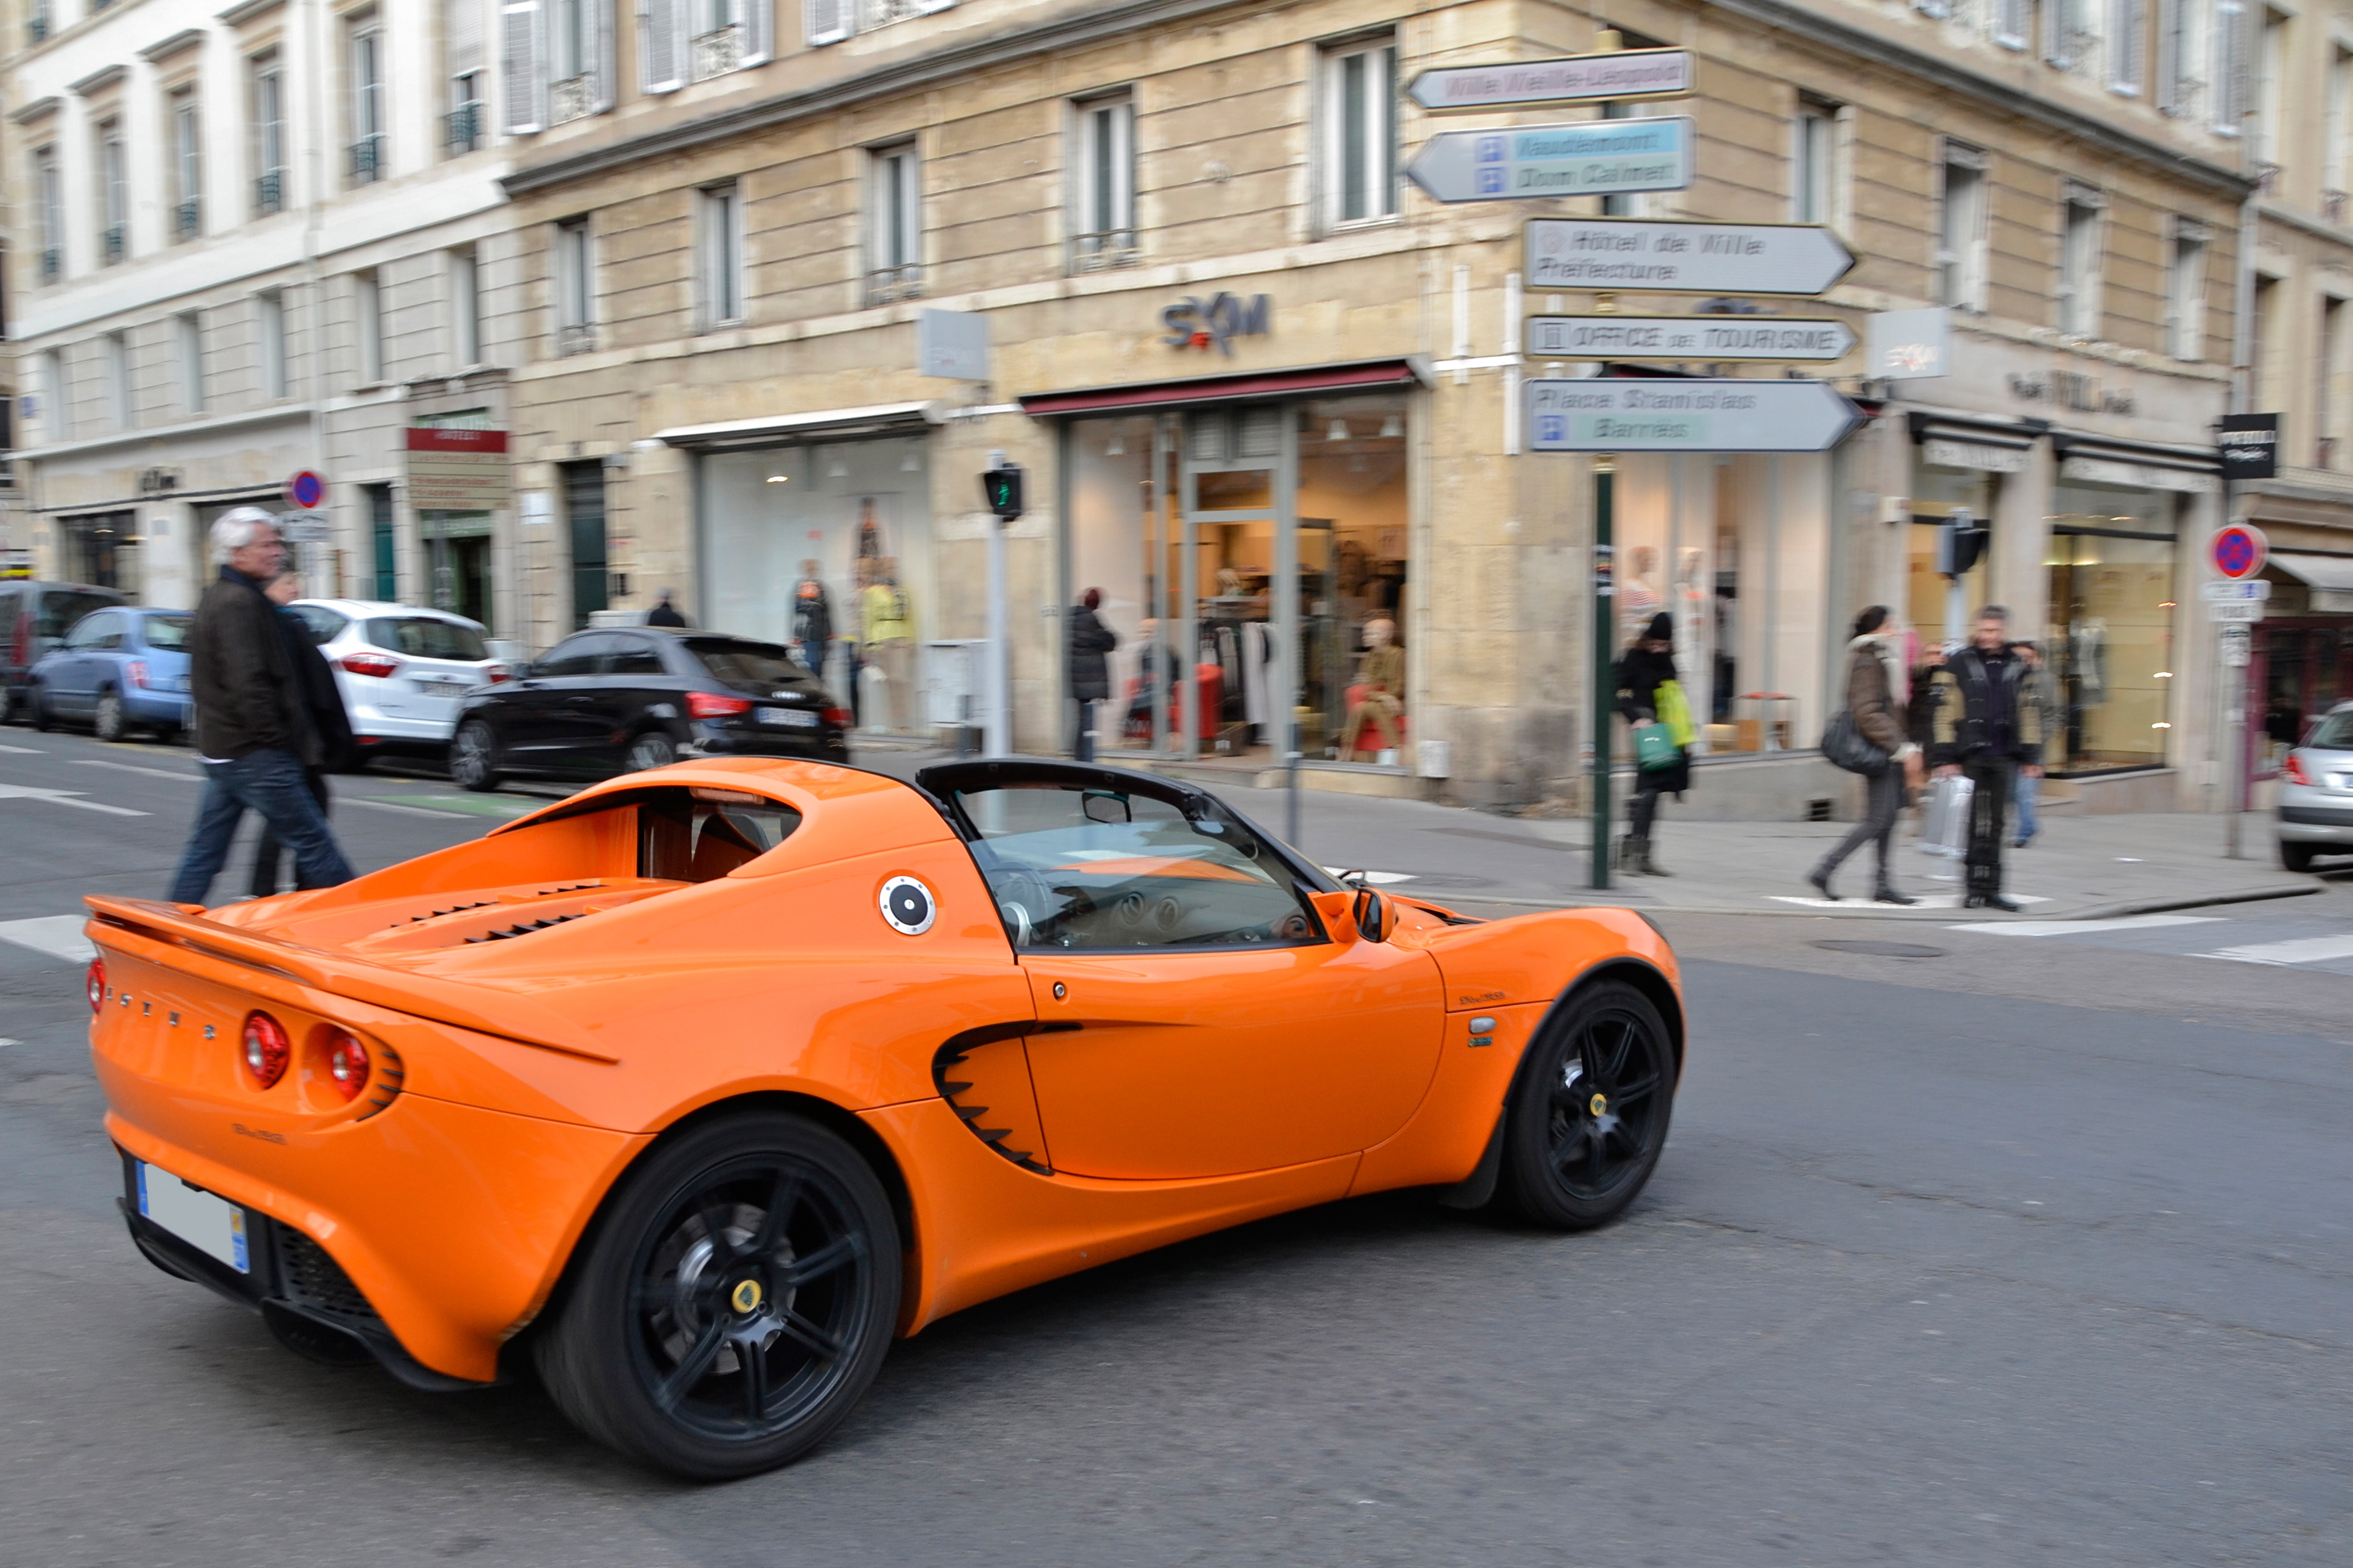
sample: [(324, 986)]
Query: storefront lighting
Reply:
[(2161, 724), (780, 478), (2167, 606), (1392, 428), (1338, 432), (1118, 448), (2161, 675)]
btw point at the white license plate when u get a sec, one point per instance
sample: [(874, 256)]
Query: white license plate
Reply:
[(442, 688), (790, 718), (213, 1227)]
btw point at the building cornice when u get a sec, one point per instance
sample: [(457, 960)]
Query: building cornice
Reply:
[(98, 80), (185, 38), (2320, 228), (114, 438), (38, 108), (238, 16)]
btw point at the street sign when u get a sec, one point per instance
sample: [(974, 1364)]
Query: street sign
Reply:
[(306, 490), (1910, 346), (1667, 254), (1579, 79), (1688, 338), (2238, 551), (2232, 592), (2236, 610), (953, 344), (1648, 415), (2250, 445), (2238, 645), (457, 470), (302, 527), (1591, 158)]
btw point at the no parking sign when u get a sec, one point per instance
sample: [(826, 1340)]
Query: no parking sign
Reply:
[(2238, 551), (306, 490)]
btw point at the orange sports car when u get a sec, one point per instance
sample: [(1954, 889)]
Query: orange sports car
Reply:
[(696, 1088)]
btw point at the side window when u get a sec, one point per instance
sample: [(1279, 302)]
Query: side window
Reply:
[(106, 631), (87, 633), (325, 625), (1077, 870), (634, 657), (573, 656)]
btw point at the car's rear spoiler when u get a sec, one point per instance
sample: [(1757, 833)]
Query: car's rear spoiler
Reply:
[(173, 927)]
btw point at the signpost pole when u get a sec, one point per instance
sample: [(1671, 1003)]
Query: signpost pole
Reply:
[(2233, 689), (1605, 617)]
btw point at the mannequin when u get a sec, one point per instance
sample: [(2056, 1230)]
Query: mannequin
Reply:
[(890, 645), (1381, 672), (812, 619)]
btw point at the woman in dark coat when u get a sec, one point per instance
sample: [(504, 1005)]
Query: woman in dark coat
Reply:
[(1090, 643), (1873, 702), (324, 700), (1650, 691)]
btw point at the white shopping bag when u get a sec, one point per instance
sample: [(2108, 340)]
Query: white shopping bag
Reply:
[(1945, 817)]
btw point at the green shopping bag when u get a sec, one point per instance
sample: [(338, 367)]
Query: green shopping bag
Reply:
[(1654, 747)]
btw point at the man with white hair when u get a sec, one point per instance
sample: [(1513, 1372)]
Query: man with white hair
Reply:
[(254, 731)]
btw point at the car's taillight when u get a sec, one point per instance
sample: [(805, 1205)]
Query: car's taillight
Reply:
[(137, 672), (378, 665), (499, 674), (267, 1050), (347, 1062), (709, 705), (97, 984), (2293, 770), (838, 716)]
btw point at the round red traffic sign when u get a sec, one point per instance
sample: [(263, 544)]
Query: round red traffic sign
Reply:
[(306, 490), (2237, 551)]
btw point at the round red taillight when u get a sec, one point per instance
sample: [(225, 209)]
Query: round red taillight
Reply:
[(97, 984), (267, 1050), (347, 1063)]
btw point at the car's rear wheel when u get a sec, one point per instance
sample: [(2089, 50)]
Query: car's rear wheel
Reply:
[(1588, 1113), (106, 719), (473, 757), (651, 750), (2297, 857), (736, 1300)]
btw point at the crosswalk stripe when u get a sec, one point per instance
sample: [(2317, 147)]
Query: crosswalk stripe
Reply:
[(128, 768), (59, 936), (2084, 928), (2302, 950), (24, 750), (64, 797)]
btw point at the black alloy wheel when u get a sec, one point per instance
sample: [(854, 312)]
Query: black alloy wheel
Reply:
[(654, 749), (473, 757), (1588, 1114), (737, 1302)]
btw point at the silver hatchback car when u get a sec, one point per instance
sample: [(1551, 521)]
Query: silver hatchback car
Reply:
[(2316, 793)]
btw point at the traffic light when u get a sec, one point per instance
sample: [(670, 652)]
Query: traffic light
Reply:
[(1001, 488), (1960, 542)]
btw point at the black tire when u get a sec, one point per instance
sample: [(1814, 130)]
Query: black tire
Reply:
[(2297, 857), (473, 757), (1588, 1113), (106, 719), (43, 719), (812, 1297), (654, 749)]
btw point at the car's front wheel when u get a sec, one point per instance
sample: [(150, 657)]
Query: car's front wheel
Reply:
[(1588, 1114), (107, 720), (735, 1302), (473, 756)]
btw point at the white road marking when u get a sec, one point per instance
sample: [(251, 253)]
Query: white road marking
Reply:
[(2303, 950), (63, 797), (388, 805), (1377, 879), (128, 768), (2084, 928), (59, 936), (5, 1042), (24, 751), (1929, 900)]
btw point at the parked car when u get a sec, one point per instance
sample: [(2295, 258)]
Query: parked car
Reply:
[(609, 701), (405, 671), (2316, 793), (34, 619), (120, 668)]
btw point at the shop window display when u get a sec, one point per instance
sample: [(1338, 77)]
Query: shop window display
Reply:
[(2109, 639)]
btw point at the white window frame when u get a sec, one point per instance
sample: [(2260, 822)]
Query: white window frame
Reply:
[(2127, 50), (2267, 77), (270, 346), (1814, 135), (2082, 238), (2336, 124), (1367, 194), (465, 307), (2227, 92), (2185, 290), (2013, 23), (721, 277), (1961, 262), (831, 21), (50, 194), (894, 222), (364, 51), (573, 286), (188, 350), (367, 327), (57, 414), (1101, 166), (114, 365), (188, 161), (265, 106), (113, 191)]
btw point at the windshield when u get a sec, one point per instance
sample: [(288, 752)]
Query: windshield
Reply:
[(61, 609), (167, 634), (748, 663), (2335, 733), (423, 636)]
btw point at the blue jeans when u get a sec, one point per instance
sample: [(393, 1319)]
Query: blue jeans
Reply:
[(271, 784), (2030, 795)]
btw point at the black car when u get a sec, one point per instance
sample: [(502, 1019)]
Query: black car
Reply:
[(608, 701)]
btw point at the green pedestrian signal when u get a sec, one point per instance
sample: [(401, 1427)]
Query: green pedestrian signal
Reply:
[(1001, 488)]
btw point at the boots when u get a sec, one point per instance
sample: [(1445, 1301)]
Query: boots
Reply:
[(1821, 878), (1632, 853), (1651, 868), (1888, 895)]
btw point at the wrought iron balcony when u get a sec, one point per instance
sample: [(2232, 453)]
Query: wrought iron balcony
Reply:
[(717, 52), (463, 127), (887, 285), (366, 159), (187, 218), (270, 193), (571, 99), (53, 264), (37, 30), (110, 243), (1102, 251)]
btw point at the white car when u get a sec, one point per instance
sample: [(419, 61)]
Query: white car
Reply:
[(405, 670), (2316, 793)]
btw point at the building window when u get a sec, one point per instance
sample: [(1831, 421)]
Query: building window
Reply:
[(2229, 58), (367, 326), (465, 307), (189, 340), (115, 366), (269, 106), (381, 543), (721, 283), (58, 413), (2185, 292), (465, 122), (2270, 89), (365, 158), (269, 333), (48, 188), (720, 41), (2067, 35), (114, 194), (1961, 228), (37, 22), (1813, 163), (2332, 133), (2325, 399), (2127, 30), (2011, 20), (467, 125), (1102, 183), (1360, 140), (894, 225), (574, 283), (187, 166), (831, 21), (577, 53), (2079, 262)]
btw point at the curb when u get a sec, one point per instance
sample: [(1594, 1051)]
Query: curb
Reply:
[(1849, 909)]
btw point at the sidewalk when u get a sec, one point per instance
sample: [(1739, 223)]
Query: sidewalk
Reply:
[(2079, 867)]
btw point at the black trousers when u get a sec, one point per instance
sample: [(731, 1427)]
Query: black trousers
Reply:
[(1082, 745), (1987, 806), (1883, 801), (1644, 808), (266, 853)]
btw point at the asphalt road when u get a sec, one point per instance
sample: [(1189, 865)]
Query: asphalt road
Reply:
[(2023, 1250)]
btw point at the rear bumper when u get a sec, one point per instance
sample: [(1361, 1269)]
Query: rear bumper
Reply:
[(369, 724), (711, 739)]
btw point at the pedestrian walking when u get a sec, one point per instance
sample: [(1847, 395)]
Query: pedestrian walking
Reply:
[(665, 612), (324, 702), (2030, 784), (1651, 693), (1989, 726), (254, 731), (1089, 648), (813, 623), (1875, 693)]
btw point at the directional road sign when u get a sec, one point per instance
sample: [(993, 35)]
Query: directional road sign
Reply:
[(1659, 414), (302, 527), (1592, 158), (1688, 338), (2226, 593), (1685, 258), (1579, 79)]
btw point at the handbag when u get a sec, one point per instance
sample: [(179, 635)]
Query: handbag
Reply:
[(1844, 745), (1654, 747)]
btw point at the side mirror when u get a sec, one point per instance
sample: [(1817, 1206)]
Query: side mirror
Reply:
[(1376, 917)]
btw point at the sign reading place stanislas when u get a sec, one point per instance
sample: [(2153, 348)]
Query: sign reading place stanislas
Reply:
[(457, 470)]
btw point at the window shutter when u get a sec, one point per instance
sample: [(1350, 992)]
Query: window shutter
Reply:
[(2169, 55), (2127, 22), (2059, 33), (759, 31), (2011, 20), (465, 35), (660, 60), (2230, 65), (607, 65), (525, 74), (828, 21)]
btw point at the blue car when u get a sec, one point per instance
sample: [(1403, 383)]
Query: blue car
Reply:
[(119, 670)]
